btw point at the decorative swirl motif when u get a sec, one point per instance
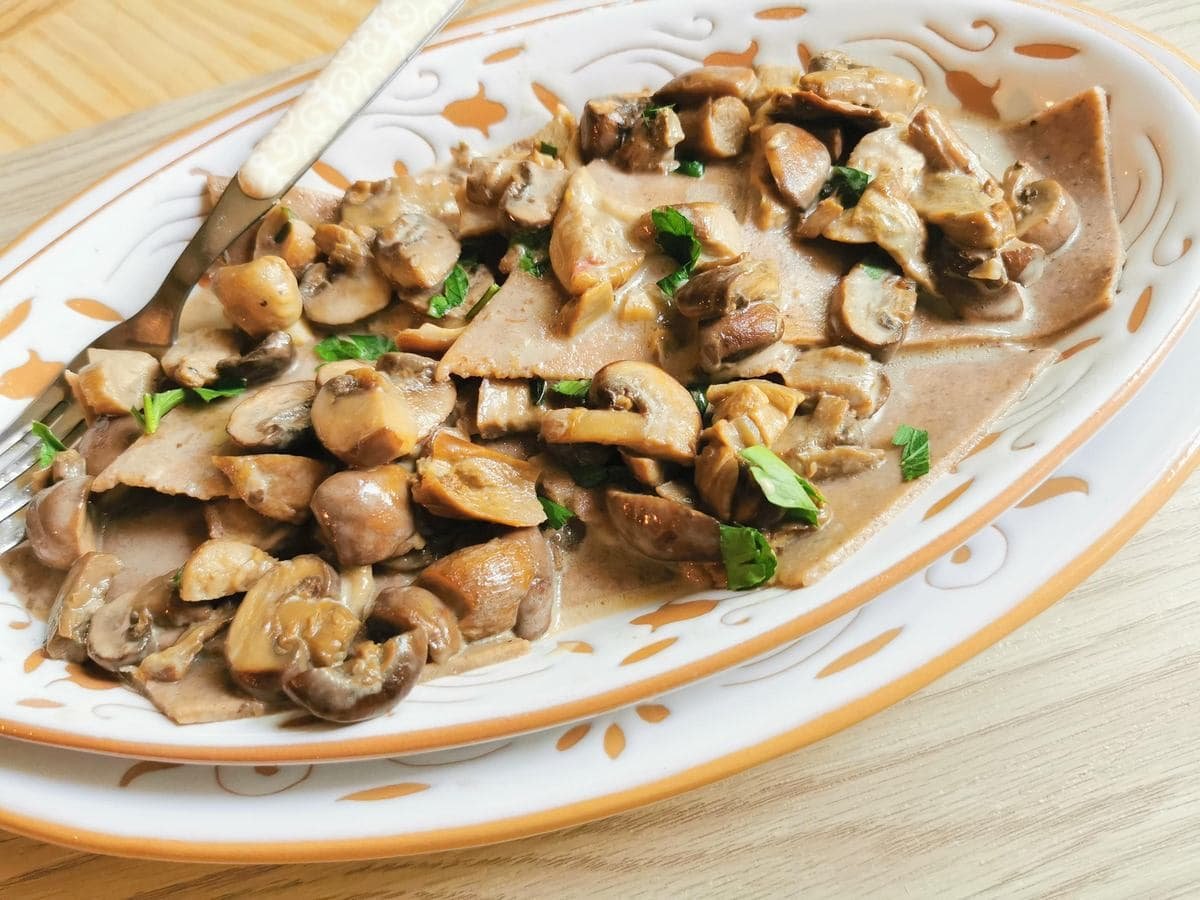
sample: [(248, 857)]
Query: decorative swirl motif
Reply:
[(260, 781), (986, 556)]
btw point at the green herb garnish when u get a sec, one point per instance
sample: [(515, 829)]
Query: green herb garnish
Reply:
[(875, 273), (454, 292), (533, 250), (782, 486), (848, 184), (914, 455), (557, 515), (218, 391), (155, 406), (749, 559), (692, 168), (548, 149), (491, 292), (576, 387), (367, 347), (50, 446), (699, 394), (654, 109), (676, 236)]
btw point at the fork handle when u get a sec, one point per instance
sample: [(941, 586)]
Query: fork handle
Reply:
[(387, 38)]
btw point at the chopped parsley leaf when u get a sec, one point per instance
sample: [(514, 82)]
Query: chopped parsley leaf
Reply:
[(782, 486), (875, 273), (699, 394), (491, 292), (676, 236), (749, 559), (367, 347), (848, 184), (692, 168), (454, 292), (155, 406), (557, 515), (548, 149), (654, 109), (576, 387), (533, 250), (218, 391), (50, 446), (914, 455)]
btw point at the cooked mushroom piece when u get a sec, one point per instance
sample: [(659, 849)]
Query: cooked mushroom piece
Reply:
[(228, 519), (106, 439), (68, 464), (345, 246), (193, 359), (716, 129), (122, 631), (429, 401), (663, 529), (799, 163), (357, 590), (402, 609), (275, 484), (708, 81), (1047, 215), (364, 514), (872, 307), (486, 584), (172, 663), (842, 372), (865, 86), (1023, 262), (372, 681), (967, 213), (640, 408), (725, 289), (340, 297), (363, 419), (219, 569), (533, 194), (505, 407), (589, 244), (605, 123), (278, 417), (416, 251), (267, 359), (115, 380), (58, 524), (82, 593), (260, 296), (286, 235), (740, 332), (480, 488)]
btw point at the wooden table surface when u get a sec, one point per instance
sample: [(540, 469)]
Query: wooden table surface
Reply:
[(1063, 761)]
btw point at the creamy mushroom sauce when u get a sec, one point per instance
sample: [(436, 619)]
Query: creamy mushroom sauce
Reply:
[(407, 431)]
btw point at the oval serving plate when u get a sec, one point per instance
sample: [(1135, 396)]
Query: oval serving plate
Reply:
[(97, 257), (833, 677)]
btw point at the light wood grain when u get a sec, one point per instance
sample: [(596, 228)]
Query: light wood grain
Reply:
[(1062, 762)]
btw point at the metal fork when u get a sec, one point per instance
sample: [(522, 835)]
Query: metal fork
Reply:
[(383, 43)]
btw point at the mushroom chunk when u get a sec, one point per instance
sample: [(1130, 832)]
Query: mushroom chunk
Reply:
[(115, 380), (865, 86), (663, 529), (286, 235), (82, 593), (172, 663), (340, 297), (193, 359), (799, 163), (431, 402), (872, 308), (122, 632), (589, 244), (842, 372), (278, 417), (275, 484), (357, 589), (533, 195), (372, 681), (480, 488), (968, 214), (229, 519), (402, 609), (1046, 214), (486, 584), (68, 464), (944, 149), (708, 81), (219, 569), (260, 296), (605, 123), (416, 251), (717, 129), (738, 333), (630, 132), (267, 359), (365, 516), (58, 525), (640, 408), (505, 407), (106, 439), (363, 419), (345, 247), (721, 291)]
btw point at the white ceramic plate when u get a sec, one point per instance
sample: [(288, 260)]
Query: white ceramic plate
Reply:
[(107, 249)]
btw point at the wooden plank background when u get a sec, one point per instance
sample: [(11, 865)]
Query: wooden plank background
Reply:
[(1062, 762)]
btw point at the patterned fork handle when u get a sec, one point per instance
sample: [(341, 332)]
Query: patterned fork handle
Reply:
[(390, 35)]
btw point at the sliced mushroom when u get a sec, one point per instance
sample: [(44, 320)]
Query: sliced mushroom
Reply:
[(663, 529), (718, 231), (228, 519), (717, 129), (755, 411), (219, 569), (872, 308), (172, 663), (451, 447), (113, 381), (106, 439), (589, 244), (842, 372), (340, 297), (344, 246), (58, 524), (487, 178), (650, 472), (799, 163), (865, 86), (277, 417), (411, 608), (1023, 262), (944, 149), (485, 584), (505, 407), (376, 204), (372, 681), (477, 488), (1047, 215), (536, 610), (708, 81), (260, 296), (968, 214), (605, 123), (68, 464), (534, 194), (275, 484), (269, 358), (821, 217), (357, 590), (364, 514), (416, 251), (122, 631), (429, 401), (363, 419), (630, 132), (721, 291), (286, 235), (82, 593), (740, 332), (642, 409), (331, 370), (193, 359), (288, 617)]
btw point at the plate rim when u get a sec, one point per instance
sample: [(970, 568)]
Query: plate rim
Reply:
[(481, 730)]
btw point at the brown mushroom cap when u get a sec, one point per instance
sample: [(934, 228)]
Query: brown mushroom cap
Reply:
[(286, 235), (260, 296), (722, 290), (364, 514), (872, 307), (477, 487), (58, 524), (275, 484), (740, 332), (363, 419), (416, 251), (799, 163), (372, 681), (534, 194), (969, 215), (122, 632), (641, 408), (82, 593), (267, 359), (340, 297), (708, 81), (345, 246), (401, 609), (193, 359), (717, 129), (220, 568), (663, 529), (430, 401), (68, 464), (1047, 215), (106, 439), (278, 417)]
